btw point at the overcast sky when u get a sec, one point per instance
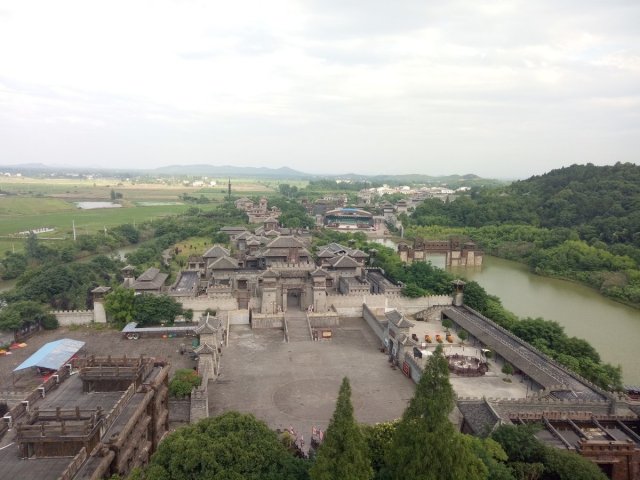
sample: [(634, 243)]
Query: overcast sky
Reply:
[(498, 88)]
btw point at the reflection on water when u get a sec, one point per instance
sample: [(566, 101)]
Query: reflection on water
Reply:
[(387, 242), (612, 328), (93, 205)]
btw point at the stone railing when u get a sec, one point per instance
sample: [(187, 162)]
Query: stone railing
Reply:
[(75, 465), (119, 406)]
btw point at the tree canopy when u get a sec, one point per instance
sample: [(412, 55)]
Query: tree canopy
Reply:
[(343, 454), (426, 445), (24, 312), (233, 446), (119, 304), (580, 222), (526, 455)]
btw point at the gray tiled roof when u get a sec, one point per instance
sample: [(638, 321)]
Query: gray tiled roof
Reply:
[(479, 416), (148, 275), (343, 261), (224, 263), (319, 272), (285, 242), (522, 355), (216, 252), (155, 284)]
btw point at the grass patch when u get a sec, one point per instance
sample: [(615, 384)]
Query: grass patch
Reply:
[(18, 206), (188, 247)]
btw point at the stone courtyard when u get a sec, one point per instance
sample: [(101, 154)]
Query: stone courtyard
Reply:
[(296, 384)]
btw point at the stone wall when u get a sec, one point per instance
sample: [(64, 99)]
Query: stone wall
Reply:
[(238, 317), (200, 304), (324, 319), (199, 407), (351, 305), (537, 405), (373, 321), (416, 370), (267, 320), (413, 305), (74, 317)]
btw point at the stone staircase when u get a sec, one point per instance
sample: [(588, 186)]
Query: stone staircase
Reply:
[(297, 326)]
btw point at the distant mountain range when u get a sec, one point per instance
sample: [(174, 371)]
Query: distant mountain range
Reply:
[(283, 173), (230, 170)]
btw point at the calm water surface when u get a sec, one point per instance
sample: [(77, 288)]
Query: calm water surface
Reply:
[(612, 328), (94, 205)]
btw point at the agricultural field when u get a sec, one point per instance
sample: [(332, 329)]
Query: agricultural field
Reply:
[(35, 203)]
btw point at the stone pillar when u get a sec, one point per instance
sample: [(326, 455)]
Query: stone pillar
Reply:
[(284, 299), (269, 299), (99, 314), (458, 292)]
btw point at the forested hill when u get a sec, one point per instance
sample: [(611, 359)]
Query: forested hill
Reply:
[(600, 203), (581, 222), (605, 198)]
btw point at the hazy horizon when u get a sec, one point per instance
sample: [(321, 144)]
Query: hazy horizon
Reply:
[(501, 89)]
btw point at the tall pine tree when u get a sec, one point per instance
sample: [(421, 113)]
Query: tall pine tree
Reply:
[(343, 454), (426, 445)]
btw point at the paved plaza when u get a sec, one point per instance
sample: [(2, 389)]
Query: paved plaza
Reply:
[(296, 384), (284, 384)]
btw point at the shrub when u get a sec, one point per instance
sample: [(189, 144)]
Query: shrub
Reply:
[(183, 382)]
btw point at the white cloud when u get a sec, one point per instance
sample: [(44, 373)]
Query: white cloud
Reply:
[(376, 86)]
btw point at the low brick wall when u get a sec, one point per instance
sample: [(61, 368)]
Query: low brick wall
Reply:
[(373, 322), (200, 304), (239, 317), (319, 320), (74, 317), (272, 320)]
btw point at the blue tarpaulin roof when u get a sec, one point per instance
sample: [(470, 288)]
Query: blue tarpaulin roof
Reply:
[(52, 355)]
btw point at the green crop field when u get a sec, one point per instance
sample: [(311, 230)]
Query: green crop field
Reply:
[(19, 206), (86, 221), (31, 203), (101, 189)]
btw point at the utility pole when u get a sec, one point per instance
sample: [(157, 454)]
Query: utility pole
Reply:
[(229, 189)]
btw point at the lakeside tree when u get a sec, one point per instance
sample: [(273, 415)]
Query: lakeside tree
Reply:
[(344, 453), (426, 445)]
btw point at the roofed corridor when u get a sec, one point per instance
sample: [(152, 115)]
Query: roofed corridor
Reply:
[(523, 356)]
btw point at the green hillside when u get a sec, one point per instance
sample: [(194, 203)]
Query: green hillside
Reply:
[(580, 222)]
